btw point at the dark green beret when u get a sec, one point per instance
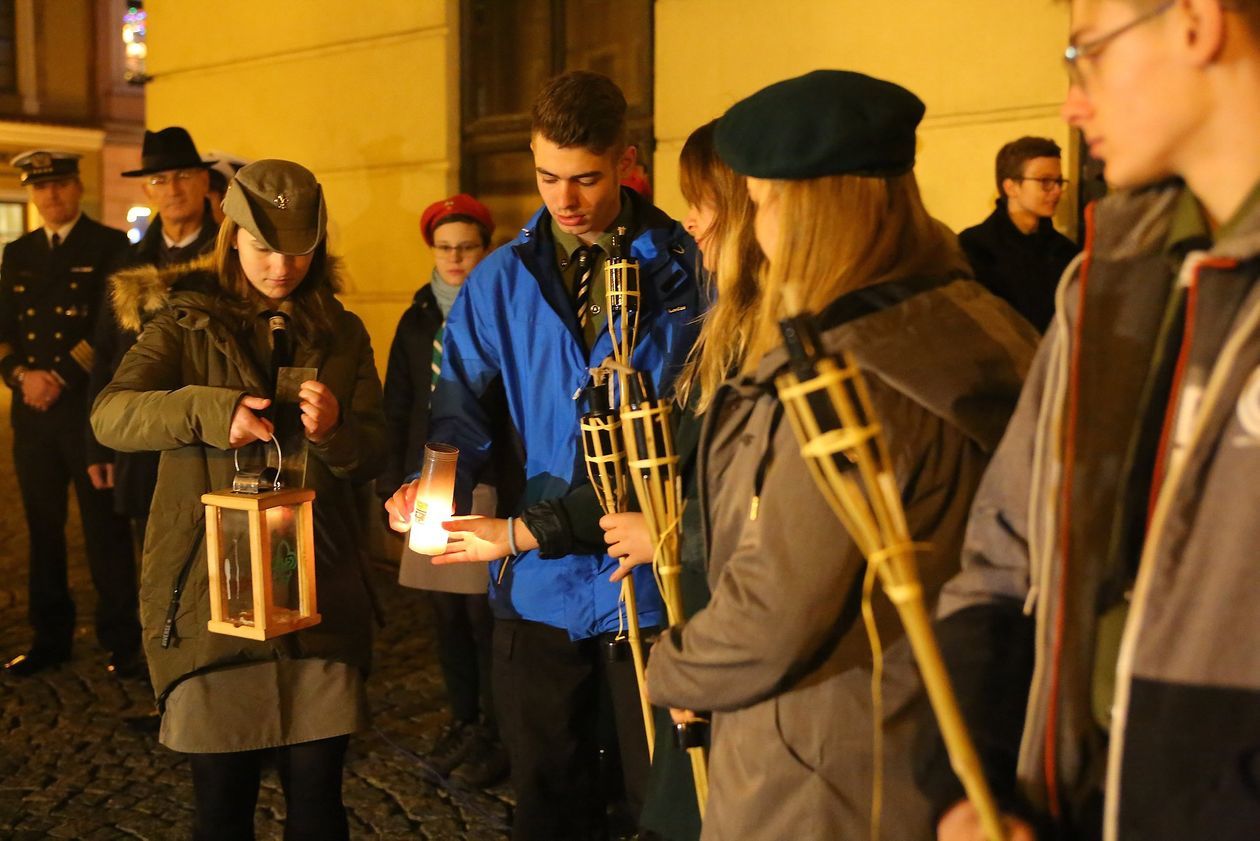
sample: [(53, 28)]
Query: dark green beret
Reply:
[(828, 122)]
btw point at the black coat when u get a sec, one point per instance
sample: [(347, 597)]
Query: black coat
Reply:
[(408, 386), (1022, 269), (135, 474), (408, 389), (50, 300)]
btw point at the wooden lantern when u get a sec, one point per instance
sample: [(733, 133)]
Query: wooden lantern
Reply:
[(260, 542)]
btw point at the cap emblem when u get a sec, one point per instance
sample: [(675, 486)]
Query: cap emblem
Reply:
[(281, 201)]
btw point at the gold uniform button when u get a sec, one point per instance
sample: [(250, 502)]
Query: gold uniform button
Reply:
[(58, 310), (56, 359), (56, 335), (30, 336), (74, 284), (30, 311)]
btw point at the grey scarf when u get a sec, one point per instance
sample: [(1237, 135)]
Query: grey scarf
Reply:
[(444, 292)]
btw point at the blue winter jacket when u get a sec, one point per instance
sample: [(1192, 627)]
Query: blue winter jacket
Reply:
[(513, 327)]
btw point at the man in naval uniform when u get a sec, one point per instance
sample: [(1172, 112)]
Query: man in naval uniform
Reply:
[(51, 282)]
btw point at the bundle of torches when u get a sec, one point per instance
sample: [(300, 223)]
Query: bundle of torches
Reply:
[(636, 439)]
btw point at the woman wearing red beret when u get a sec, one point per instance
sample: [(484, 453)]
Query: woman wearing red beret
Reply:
[(458, 230)]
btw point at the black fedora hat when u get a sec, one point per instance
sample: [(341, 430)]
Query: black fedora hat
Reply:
[(170, 148)]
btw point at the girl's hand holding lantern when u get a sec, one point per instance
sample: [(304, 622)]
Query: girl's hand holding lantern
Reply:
[(246, 426)]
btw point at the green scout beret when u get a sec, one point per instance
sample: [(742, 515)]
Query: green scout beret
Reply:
[(828, 122), (280, 203)]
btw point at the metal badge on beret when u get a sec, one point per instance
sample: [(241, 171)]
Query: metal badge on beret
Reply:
[(46, 165)]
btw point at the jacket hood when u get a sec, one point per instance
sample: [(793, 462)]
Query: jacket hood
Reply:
[(953, 347), (1132, 223), (141, 292)]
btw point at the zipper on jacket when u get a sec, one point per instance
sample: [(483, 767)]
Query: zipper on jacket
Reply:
[(1050, 746), (177, 591), (1160, 501)]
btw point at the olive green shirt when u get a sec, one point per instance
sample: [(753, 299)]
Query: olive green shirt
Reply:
[(567, 244)]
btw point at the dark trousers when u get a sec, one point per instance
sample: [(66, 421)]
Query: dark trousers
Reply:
[(547, 690), (225, 791), (49, 455), (464, 629)]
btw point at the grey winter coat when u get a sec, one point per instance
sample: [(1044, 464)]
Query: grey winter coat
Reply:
[(780, 654), (1183, 753), (176, 391)]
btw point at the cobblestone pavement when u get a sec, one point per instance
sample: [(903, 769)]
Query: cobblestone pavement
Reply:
[(70, 767)]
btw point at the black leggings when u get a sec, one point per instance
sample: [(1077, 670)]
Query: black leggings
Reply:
[(225, 788)]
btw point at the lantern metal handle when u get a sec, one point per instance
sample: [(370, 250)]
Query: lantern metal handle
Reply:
[(267, 479)]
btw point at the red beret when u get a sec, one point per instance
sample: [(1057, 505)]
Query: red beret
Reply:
[(460, 205)]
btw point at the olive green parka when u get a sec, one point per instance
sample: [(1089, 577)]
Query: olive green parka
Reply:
[(176, 391)]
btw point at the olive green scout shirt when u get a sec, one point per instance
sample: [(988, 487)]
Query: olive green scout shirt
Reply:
[(567, 244)]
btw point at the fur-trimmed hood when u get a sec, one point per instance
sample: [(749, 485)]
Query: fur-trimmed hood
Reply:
[(141, 292)]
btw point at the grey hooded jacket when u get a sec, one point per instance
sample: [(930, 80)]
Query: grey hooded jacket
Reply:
[(780, 654), (1181, 759)]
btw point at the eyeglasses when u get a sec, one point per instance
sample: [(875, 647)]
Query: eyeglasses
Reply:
[(1078, 56), (164, 178), (457, 251), (1047, 184)]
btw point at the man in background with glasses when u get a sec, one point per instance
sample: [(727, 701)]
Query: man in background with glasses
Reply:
[(1017, 253), (1113, 542), (176, 181)]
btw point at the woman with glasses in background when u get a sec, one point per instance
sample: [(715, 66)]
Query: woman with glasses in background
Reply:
[(458, 231)]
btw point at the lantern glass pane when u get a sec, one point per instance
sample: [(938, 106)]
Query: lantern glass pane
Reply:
[(236, 578), (282, 534)]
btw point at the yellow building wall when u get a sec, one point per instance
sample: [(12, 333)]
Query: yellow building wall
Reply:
[(365, 95), (988, 71)]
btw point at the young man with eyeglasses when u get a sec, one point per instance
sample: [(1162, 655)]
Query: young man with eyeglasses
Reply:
[(458, 230), (176, 181), (1017, 253), (1113, 541)]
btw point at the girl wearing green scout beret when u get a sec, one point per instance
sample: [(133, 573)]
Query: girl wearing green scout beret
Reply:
[(215, 334), (777, 655)]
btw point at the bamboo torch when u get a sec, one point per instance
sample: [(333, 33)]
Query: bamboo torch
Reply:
[(653, 467), (831, 412), (602, 441)]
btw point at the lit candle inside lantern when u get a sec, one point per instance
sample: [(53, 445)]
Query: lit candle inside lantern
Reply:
[(434, 499)]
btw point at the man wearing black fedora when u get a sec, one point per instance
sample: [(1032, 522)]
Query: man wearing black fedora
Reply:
[(51, 285), (176, 181)]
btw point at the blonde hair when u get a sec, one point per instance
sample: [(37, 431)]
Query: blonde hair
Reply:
[(312, 301), (726, 326), (838, 234)]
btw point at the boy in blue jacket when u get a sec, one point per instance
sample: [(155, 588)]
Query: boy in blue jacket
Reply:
[(530, 323)]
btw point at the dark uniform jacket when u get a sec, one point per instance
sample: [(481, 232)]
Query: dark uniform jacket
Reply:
[(134, 473), (49, 303), (1022, 269)]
